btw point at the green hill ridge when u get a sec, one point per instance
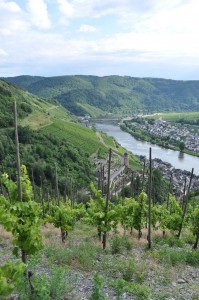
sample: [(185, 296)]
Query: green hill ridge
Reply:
[(114, 94), (49, 135)]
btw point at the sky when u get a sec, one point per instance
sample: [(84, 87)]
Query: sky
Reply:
[(138, 38)]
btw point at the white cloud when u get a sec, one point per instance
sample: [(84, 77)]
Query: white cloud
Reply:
[(3, 53), (87, 28), (92, 9), (66, 8), (148, 31), (9, 6), (38, 13)]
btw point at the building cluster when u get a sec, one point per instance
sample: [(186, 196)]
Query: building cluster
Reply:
[(172, 132), (178, 177)]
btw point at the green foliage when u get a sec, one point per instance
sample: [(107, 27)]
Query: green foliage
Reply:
[(97, 293), (174, 256), (171, 241), (76, 134), (21, 218), (63, 216), (140, 211), (51, 286), (115, 94), (128, 269), (118, 244), (40, 151), (96, 212), (195, 220), (163, 217), (10, 275), (83, 254), (140, 291)]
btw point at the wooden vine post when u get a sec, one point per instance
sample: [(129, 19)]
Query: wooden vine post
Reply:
[(107, 200), (185, 204), (17, 155), (149, 206), (132, 185), (24, 259), (23, 254), (143, 174), (170, 190)]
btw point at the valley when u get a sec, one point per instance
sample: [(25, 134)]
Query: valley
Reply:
[(86, 211)]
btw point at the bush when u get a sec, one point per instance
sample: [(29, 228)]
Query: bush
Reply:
[(118, 244), (178, 256), (51, 286), (170, 241), (128, 269)]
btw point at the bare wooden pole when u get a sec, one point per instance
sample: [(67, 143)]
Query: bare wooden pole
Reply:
[(107, 199), (195, 246), (184, 193), (33, 184), (185, 204), (170, 188), (102, 180), (17, 154), (66, 187), (149, 206), (143, 174), (132, 185), (56, 185)]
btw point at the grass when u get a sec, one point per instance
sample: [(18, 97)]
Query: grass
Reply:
[(78, 135), (175, 116), (174, 256), (129, 270)]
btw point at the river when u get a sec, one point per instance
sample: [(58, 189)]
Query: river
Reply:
[(179, 161)]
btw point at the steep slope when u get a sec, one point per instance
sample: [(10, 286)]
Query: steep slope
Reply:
[(40, 146), (114, 94)]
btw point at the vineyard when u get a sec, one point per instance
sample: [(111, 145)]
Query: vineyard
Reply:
[(75, 134), (104, 247), (73, 234)]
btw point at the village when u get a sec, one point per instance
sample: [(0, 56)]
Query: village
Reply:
[(122, 175), (172, 133)]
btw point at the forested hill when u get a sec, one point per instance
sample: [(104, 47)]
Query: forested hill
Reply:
[(45, 131), (117, 94)]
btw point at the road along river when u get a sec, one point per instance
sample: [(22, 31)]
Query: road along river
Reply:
[(179, 161)]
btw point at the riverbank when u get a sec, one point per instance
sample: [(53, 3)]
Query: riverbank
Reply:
[(144, 132), (184, 162)]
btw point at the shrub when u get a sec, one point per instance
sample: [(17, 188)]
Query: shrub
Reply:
[(118, 244)]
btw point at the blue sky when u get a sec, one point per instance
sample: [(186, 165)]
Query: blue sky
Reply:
[(140, 38)]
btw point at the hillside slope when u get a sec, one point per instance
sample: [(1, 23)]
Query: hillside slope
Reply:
[(49, 135), (40, 146), (114, 94)]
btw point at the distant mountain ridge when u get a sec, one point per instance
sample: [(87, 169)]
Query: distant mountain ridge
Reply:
[(113, 94)]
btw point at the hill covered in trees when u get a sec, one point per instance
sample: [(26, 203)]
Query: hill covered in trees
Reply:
[(49, 136), (41, 146), (114, 94)]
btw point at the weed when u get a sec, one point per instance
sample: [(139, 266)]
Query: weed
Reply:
[(97, 293), (174, 257), (140, 291), (119, 286), (171, 256), (192, 258), (80, 256), (171, 241), (118, 244), (140, 272), (51, 286), (188, 238), (128, 269)]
